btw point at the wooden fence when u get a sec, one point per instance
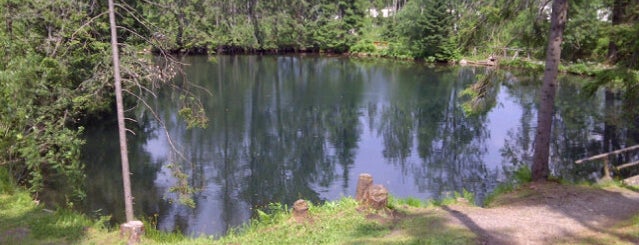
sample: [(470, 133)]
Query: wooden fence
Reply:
[(606, 160)]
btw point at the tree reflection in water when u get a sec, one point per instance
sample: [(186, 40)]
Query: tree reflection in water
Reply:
[(289, 127)]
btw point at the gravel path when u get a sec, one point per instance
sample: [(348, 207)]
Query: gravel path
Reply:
[(547, 213)]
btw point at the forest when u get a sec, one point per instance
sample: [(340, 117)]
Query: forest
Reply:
[(55, 70)]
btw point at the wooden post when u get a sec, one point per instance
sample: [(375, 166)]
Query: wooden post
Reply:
[(364, 181), (133, 231), (300, 211), (607, 168)]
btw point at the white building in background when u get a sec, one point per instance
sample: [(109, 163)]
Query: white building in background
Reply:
[(603, 14), (385, 12)]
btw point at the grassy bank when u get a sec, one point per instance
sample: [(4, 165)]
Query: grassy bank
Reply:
[(341, 223), (23, 221), (407, 221)]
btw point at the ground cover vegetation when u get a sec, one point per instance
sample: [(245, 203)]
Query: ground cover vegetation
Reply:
[(55, 65), (404, 221)]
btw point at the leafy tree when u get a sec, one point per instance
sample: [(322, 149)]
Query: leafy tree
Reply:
[(57, 78), (623, 46), (48, 83), (584, 31)]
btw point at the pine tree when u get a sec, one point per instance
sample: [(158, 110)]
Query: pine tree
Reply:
[(428, 27)]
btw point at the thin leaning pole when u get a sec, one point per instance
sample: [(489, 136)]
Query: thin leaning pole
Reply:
[(126, 178)]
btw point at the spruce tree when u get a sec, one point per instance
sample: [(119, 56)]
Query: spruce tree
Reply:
[(428, 27)]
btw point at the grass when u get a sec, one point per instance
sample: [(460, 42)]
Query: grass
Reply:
[(521, 176), (340, 222), (22, 221), (408, 221)]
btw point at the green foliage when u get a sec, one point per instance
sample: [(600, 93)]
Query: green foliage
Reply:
[(397, 50), (6, 181), (339, 222), (580, 69), (456, 196), (433, 30), (495, 24), (205, 25), (521, 63), (499, 190), (626, 37), (425, 28), (413, 202), (363, 46), (395, 203), (583, 32), (194, 119), (271, 214), (40, 95), (59, 74), (52, 147), (183, 190), (469, 196), (480, 97), (521, 175), (619, 78), (63, 223), (152, 233)]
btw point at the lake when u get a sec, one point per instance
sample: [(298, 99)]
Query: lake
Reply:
[(287, 127)]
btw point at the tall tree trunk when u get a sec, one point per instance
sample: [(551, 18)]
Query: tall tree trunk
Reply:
[(617, 18), (610, 141), (558, 18), (255, 22), (126, 181), (181, 21)]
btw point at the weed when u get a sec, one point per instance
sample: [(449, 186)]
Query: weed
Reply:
[(522, 175), (499, 190)]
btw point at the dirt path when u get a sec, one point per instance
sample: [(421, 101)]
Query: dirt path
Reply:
[(550, 213)]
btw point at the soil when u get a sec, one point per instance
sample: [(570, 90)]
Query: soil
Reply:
[(551, 213)]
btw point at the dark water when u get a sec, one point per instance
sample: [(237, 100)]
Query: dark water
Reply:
[(288, 127)]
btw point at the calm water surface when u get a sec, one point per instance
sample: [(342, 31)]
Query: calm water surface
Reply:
[(288, 127)]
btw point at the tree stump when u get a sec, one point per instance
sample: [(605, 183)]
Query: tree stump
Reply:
[(300, 211), (369, 195), (377, 197), (363, 183), (132, 230)]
